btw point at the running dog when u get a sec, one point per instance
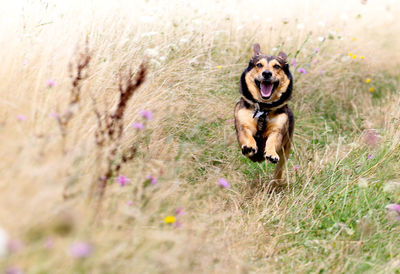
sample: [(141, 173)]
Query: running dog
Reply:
[(264, 122)]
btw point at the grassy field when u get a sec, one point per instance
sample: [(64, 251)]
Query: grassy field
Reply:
[(71, 202)]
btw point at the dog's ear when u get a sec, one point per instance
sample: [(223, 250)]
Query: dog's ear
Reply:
[(256, 49), (283, 57)]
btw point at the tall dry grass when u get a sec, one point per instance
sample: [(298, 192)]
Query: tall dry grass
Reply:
[(196, 52)]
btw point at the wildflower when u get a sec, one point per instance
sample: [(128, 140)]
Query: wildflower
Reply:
[(179, 211), (14, 245), (54, 115), (21, 117), (370, 156), (371, 137), (122, 180), (219, 67), (49, 243), (50, 83), (350, 54), (371, 89), (362, 57), (353, 39), (293, 63), (129, 203), (367, 80), (223, 183), (147, 114), (302, 70), (4, 238), (354, 56), (169, 219), (152, 179), (80, 250), (138, 125), (230, 120), (296, 167), (14, 270), (317, 50), (178, 224)]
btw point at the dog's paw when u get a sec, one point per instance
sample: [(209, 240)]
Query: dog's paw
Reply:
[(248, 150), (272, 157)]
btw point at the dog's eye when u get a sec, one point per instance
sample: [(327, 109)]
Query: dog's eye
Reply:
[(277, 67), (259, 65)]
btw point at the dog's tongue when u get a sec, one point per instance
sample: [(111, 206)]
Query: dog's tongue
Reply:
[(266, 89)]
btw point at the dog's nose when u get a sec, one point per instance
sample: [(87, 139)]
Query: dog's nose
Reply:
[(267, 74)]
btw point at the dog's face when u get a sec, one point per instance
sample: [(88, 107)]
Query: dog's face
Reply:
[(267, 77)]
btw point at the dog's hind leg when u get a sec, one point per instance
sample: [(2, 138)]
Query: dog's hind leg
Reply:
[(283, 156)]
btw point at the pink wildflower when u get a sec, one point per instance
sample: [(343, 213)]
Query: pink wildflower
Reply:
[(49, 243), (122, 180), (230, 121), (129, 203), (15, 245), (302, 70), (296, 167), (179, 211), (54, 115), (223, 183), (370, 156), (177, 224), (21, 117), (394, 207), (14, 270), (51, 83), (317, 50), (293, 63), (147, 114), (138, 125), (81, 250), (153, 179), (371, 137)]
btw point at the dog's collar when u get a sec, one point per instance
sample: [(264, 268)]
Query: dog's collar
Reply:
[(260, 109)]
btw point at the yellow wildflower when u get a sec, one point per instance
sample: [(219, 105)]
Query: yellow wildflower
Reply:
[(354, 56), (220, 67), (362, 57), (371, 89), (353, 39), (350, 54), (367, 80), (169, 219)]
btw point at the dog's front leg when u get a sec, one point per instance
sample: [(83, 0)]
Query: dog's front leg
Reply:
[(274, 136), (246, 128)]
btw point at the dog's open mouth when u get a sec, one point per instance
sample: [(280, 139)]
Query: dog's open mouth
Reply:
[(266, 88)]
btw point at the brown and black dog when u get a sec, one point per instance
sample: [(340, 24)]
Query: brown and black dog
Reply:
[(264, 122)]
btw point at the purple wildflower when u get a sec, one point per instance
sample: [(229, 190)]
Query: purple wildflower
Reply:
[(21, 117), (129, 203), (147, 114), (138, 125), (371, 137), (394, 207), (153, 179), (229, 120), (54, 115), (51, 83), (223, 183), (296, 167), (370, 156), (14, 270), (15, 245), (179, 211), (293, 63), (302, 70), (177, 224), (122, 180), (81, 250), (49, 243), (317, 50)]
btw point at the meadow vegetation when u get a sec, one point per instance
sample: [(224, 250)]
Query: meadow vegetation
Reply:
[(163, 188)]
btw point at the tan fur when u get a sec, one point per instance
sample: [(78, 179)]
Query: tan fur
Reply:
[(247, 127)]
